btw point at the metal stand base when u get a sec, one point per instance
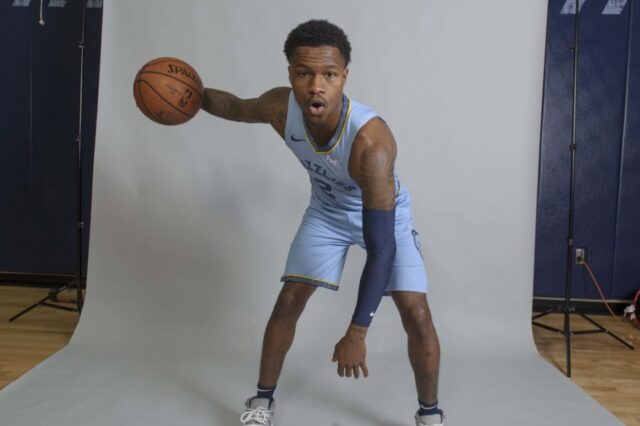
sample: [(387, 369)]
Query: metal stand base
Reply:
[(52, 297), (567, 333)]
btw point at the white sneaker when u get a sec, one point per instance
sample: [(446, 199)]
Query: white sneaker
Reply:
[(431, 420), (258, 412)]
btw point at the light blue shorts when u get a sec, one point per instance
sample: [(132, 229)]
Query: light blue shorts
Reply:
[(319, 250)]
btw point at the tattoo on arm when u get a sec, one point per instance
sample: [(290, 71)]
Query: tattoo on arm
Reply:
[(371, 165), (270, 107), (225, 105)]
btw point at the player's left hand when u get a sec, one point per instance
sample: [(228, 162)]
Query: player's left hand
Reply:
[(350, 354)]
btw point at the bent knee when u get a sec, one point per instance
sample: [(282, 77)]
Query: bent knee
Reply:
[(292, 300), (417, 319)]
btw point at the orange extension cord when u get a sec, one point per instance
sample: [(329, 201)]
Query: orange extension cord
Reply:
[(630, 336)]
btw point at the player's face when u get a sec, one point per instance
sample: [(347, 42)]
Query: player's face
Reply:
[(317, 76)]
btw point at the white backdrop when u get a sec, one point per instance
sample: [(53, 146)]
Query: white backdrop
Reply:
[(191, 224)]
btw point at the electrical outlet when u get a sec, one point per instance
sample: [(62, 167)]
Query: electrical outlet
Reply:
[(581, 255)]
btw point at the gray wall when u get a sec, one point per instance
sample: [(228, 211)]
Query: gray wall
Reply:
[(201, 215)]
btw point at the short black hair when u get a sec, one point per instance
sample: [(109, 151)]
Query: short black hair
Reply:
[(318, 32)]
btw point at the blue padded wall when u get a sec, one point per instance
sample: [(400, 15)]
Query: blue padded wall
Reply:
[(38, 147), (602, 75), (606, 218), (626, 271), (553, 184), (16, 151), (55, 77)]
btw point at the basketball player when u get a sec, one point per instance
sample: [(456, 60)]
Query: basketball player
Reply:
[(349, 153)]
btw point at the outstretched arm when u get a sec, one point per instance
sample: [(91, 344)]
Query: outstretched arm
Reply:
[(371, 166), (270, 107)]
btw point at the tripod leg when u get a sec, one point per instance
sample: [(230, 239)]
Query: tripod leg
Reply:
[(567, 337), (28, 309), (545, 313), (79, 297), (607, 331), (42, 302)]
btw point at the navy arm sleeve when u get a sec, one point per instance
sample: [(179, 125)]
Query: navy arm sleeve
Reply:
[(378, 228)]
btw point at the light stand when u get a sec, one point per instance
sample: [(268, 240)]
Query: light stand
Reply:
[(567, 307), (79, 282)]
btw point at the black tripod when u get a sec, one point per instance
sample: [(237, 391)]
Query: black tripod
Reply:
[(567, 307), (79, 282)]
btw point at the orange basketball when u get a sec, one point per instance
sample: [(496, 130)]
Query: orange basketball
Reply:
[(168, 91)]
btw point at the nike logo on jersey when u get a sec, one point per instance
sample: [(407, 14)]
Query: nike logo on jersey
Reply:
[(294, 139)]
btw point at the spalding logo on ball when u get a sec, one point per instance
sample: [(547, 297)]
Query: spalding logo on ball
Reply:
[(168, 91)]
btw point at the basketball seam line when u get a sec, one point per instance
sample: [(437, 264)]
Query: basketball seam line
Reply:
[(155, 62), (162, 97), (161, 60), (196, 91), (144, 104)]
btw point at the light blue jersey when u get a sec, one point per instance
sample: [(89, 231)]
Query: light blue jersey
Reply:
[(333, 220)]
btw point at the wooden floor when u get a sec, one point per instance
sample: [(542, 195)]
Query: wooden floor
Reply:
[(604, 368)]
